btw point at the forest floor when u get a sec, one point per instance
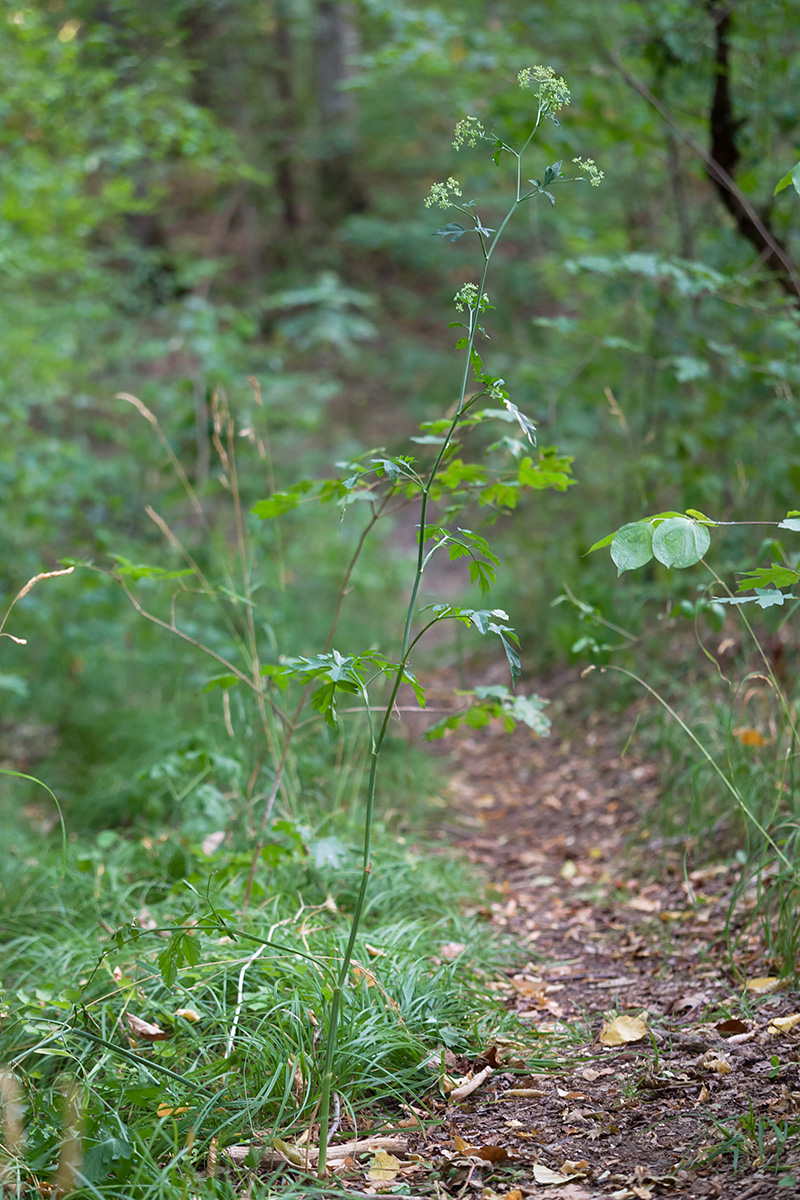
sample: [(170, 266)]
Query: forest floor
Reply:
[(700, 1097)]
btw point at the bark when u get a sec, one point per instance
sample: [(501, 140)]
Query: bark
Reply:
[(341, 190), (725, 154), (284, 164)]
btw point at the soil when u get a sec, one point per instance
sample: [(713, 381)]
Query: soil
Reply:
[(704, 1101)]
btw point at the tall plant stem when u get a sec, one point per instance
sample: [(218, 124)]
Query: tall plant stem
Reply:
[(344, 971)]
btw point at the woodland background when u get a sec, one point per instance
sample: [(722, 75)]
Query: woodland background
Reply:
[(198, 194)]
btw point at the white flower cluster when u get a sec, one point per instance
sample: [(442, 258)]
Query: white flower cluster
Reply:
[(590, 170), (553, 92), (467, 295), (441, 195), (468, 132)]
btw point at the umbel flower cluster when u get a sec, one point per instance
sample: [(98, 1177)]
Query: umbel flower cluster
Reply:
[(468, 295), (442, 193), (590, 170), (553, 92)]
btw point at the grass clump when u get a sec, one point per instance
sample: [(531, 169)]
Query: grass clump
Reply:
[(188, 1022)]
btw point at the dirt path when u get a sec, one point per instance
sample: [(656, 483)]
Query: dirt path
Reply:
[(610, 932)]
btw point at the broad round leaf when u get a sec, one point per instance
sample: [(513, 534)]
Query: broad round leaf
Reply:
[(680, 542), (632, 546)]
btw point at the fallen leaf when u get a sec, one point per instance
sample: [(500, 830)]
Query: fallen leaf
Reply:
[(374, 951), (452, 950), (487, 1153), (592, 1073), (569, 870), (763, 985), (385, 1167), (360, 973), (144, 1030), (642, 904), (783, 1024), (750, 737), (188, 1014), (574, 1168), (717, 1062), (467, 1088), (524, 1093), (167, 1110), (623, 1029), (543, 1174), (733, 1025)]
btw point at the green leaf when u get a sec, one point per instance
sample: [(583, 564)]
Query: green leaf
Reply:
[(680, 542), (135, 571), (452, 231), (774, 576), (764, 598), (698, 516), (792, 521), (171, 958), (552, 172), (606, 541), (791, 177), (222, 681), (632, 546), (282, 502)]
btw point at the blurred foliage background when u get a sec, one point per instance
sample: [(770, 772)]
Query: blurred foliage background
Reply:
[(198, 193)]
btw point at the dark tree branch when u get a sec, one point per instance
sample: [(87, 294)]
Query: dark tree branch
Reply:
[(769, 247), (724, 127)]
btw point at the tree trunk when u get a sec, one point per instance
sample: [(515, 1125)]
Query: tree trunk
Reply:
[(341, 191)]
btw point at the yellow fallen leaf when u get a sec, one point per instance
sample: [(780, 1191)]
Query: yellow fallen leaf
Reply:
[(574, 1168), (784, 1024), (750, 737), (763, 985), (385, 1167), (166, 1110), (623, 1029), (188, 1014), (543, 1174), (718, 1063)]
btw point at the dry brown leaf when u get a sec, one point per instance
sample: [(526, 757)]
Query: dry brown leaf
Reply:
[(622, 1030), (144, 1030), (374, 951), (524, 1093), (783, 1024), (385, 1167), (575, 1168), (732, 1025), (487, 1153), (543, 1174), (717, 1062), (359, 973)]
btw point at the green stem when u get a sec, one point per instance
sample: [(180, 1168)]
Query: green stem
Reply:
[(336, 999)]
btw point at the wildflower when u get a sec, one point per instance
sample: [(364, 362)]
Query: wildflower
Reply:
[(442, 193), (590, 169), (553, 92), (468, 132), (467, 295)]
